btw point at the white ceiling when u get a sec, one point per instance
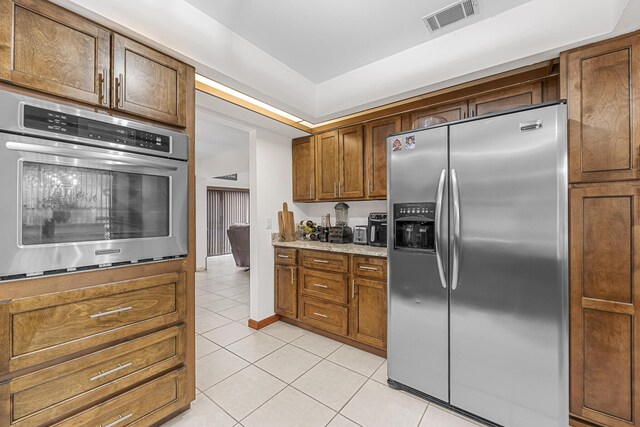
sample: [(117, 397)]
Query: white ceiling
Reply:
[(273, 51), (324, 39), (213, 137)]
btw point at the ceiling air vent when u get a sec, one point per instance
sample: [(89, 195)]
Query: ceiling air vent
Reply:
[(450, 14)]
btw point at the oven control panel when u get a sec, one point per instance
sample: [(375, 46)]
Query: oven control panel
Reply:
[(68, 124)]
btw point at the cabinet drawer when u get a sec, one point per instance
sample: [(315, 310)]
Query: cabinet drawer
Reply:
[(50, 393), (325, 315), (336, 263), (141, 406), (320, 284), (54, 325), (370, 267), (285, 256)]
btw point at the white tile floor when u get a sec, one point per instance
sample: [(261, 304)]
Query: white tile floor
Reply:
[(285, 376)]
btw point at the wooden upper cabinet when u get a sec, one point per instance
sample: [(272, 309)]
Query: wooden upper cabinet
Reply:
[(603, 93), (304, 168), (351, 163), (327, 164), (375, 154), (50, 49), (449, 112), (148, 83), (503, 99), (605, 285)]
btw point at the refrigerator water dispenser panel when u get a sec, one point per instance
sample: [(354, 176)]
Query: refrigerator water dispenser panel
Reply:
[(414, 225)]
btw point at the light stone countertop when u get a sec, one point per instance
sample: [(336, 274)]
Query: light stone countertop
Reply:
[(347, 248)]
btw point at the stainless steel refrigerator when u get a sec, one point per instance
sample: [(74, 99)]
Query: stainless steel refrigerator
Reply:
[(478, 301)]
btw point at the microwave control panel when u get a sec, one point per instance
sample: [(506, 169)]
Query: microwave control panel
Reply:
[(68, 124)]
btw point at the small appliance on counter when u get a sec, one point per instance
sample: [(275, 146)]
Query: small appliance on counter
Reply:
[(377, 235), (360, 235), (341, 233)]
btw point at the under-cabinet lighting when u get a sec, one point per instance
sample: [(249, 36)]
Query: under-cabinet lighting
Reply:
[(247, 98)]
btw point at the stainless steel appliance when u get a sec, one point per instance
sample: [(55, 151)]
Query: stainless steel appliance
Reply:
[(85, 190), (360, 234), (478, 266), (377, 229)]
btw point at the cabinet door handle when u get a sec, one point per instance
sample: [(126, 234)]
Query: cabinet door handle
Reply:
[(353, 289), (368, 187), (339, 184), (112, 371), (118, 421), (320, 285), (106, 313), (321, 315), (321, 261), (364, 267), (283, 256), (335, 192), (119, 91), (104, 78), (292, 273)]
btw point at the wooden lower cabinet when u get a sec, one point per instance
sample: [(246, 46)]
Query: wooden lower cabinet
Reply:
[(86, 349), (286, 291), (335, 292), (605, 285), (369, 312)]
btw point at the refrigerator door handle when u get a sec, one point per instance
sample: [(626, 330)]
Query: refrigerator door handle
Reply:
[(439, 195), (455, 192)]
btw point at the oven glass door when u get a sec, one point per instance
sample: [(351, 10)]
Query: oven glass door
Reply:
[(69, 204)]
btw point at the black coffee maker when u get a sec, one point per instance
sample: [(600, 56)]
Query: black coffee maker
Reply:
[(341, 232)]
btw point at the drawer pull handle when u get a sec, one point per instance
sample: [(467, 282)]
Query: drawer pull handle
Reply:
[(118, 421), (320, 286), (283, 256), (321, 261), (363, 267), (321, 315), (112, 371), (106, 313)]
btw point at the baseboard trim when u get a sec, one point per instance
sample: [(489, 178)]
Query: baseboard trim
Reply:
[(259, 324)]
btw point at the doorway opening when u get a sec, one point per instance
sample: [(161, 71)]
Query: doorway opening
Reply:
[(226, 207)]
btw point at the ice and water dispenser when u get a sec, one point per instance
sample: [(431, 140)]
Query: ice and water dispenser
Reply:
[(414, 226)]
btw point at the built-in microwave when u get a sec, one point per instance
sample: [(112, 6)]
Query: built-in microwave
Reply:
[(84, 190)]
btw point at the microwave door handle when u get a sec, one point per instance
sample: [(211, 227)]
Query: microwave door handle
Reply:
[(101, 156), (438, 226), (455, 192)]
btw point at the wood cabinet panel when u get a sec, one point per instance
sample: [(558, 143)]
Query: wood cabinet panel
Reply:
[(375, 154), (604, 110), (327, 172), (325, 315), (138, 406), (304, 168), (148, 83), (323, 285), (368, 312), (608, 343), (328, 261), (351, 161), (286, 291), (51, 393), (528, 94), (374, 268), (604, 287), (60, 324), (47, 48), (285, 256)]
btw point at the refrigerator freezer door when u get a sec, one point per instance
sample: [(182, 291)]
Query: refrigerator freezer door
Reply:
[(418, 343), (508, 325)]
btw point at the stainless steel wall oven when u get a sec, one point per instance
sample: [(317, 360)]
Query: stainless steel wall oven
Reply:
[(83, 190)]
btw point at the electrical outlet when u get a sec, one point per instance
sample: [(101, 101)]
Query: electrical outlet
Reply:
[(268, 223)]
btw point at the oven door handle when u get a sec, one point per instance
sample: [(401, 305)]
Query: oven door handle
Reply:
[(101, 156)]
